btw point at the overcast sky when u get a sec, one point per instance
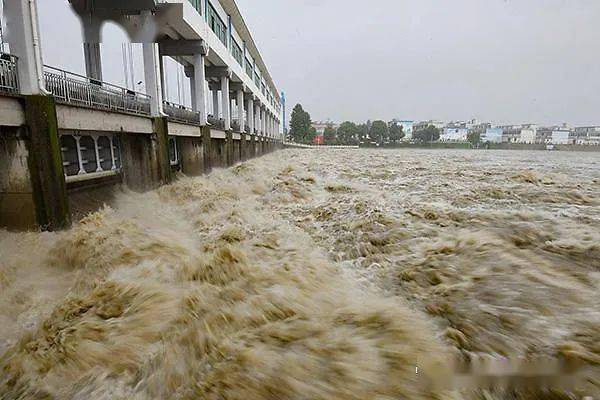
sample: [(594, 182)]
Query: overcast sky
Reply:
[(497, 60)]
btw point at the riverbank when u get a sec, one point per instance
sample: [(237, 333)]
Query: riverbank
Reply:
[(488, 146)]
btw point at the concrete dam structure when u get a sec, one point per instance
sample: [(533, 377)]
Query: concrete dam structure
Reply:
[(66, 140)]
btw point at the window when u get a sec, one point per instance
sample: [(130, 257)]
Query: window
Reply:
[(236, 51), (90, 154), (216, 24)]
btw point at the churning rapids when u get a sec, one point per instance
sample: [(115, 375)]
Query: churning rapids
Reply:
[(311, 275)]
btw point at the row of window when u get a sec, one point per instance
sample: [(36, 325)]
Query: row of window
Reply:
[(216, 24), (220, 29), (88, 154)]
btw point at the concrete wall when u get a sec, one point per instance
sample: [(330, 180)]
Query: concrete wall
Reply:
[(17, 209), (218, 153), (191, 154), (33, 187), (140, 172)]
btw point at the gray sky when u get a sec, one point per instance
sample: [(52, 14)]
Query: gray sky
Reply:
[(498, 60)]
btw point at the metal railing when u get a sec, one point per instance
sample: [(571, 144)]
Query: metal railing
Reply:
[(9, 76), (180, 113), (75, 89)]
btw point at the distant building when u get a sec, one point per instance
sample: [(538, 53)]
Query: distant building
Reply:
[(544, 134), (320, 126), (528, 135), (455, 135), (561, 136), (407, 128), (587, 135), (418, 126), (492, 135)]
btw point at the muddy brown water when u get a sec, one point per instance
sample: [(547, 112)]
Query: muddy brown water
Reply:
[(326, 274)]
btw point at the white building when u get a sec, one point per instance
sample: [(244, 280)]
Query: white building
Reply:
[(455, 135), (492, 135), (561, 137), (407, 128)]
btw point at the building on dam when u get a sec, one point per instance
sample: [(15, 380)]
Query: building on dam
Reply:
[(67, 140)]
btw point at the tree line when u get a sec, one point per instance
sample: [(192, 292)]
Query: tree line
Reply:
[(349, 133)]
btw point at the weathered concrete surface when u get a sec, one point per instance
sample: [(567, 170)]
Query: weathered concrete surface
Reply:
[(218, 153), (17, 209), (85, 119), (11, 112), (45, 164), (243, 147), (177, 129), (139, 170), (191, 153), (207, 148), (229, 149), (161, 150)]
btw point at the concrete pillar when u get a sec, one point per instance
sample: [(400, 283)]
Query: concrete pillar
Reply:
[(240, 107), (93, 61), (225, 102), (256, 117), (263, 121), (199, 93), (193, 89), (162, 160), (23, 37), (250, 115), (215, 94), (206, 148), (152, 75), (45, 164)]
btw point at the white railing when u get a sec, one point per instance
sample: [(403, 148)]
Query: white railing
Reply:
[(180, 113), (9, 77), (80, 90)]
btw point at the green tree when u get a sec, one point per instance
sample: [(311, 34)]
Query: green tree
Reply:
[(474, 137), (300, 125), (363, 131), (329, 135), (348, 133), (379, 131), (428, 134), (396, 132)]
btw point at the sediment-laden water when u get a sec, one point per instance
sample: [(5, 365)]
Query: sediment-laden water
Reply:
[(311, 275)]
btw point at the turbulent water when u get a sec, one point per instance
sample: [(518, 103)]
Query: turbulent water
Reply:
[(332, 274)]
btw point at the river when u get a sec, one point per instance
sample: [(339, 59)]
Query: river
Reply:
[(330, 274)]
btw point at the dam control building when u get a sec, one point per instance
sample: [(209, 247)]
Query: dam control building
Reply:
[(66, 140)]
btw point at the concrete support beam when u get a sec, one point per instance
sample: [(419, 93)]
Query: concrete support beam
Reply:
[(240, 112), (93, 61), (152, 76), (263, 121), (250, 107), (215, 102), (225, 102), (207, 148), (161, 150), (229, 148), (199, 92), (218, 72), (175, 48), (46, 165), (23, 37)]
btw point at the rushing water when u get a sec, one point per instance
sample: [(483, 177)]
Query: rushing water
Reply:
[(311, 275)]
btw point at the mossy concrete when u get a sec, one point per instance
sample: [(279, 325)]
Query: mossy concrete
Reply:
[(45, 164), (162, 162), (206, 148), (229, 148)]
